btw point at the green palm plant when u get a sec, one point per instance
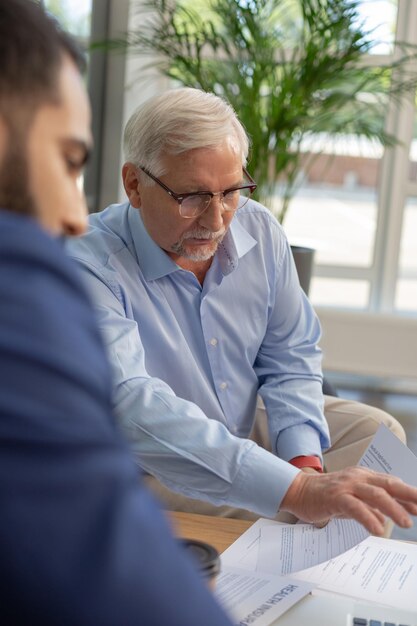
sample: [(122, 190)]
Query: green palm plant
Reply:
[(290, 69)]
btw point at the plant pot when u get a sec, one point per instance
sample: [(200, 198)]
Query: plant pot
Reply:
[(304, 262)]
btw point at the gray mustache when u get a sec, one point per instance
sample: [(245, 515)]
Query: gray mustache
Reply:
[(203, 235)]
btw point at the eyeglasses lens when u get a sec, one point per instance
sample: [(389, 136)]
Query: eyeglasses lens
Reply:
[(244, 195), (192, 206)]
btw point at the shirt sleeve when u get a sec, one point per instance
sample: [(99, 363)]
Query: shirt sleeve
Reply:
[(82, 542), (288, 366), (171, 437)]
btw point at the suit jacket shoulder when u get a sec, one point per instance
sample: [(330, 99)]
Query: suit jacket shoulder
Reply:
[(81, 541)]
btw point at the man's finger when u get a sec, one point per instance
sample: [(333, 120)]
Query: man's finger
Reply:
[(410, 507), (395, 487), (378, 498), (322, 524), (370, 518)]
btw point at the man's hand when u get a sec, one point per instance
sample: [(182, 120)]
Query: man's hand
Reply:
[(356, 493), (310, 470)]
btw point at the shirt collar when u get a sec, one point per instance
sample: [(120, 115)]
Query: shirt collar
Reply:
[(236, 243), (155, 263)]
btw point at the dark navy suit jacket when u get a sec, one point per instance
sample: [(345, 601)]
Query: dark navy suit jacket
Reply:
[(81, 541)]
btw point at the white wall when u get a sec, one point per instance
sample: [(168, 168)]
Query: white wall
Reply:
[(370, 345)]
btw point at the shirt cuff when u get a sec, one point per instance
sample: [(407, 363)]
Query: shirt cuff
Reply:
[(299, 440), (262, 482), (307, 461)]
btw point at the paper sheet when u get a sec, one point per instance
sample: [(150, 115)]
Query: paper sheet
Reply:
[(387, 454), (388, 569), (257, 599), (276, 548), (376, 570), (297, 547)]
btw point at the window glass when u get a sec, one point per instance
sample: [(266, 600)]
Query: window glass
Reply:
[(379, 16), (335, 209), (408, 251), (406, 292), (74, 15), (406, 295)]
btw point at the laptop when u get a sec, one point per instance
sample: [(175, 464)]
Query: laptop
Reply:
[(322, 609)]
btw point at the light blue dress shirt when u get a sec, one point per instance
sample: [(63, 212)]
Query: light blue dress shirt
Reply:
[(189, 360)]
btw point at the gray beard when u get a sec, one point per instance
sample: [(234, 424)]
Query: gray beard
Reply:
[(200, 254)]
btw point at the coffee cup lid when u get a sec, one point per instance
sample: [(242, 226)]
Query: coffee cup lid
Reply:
[(207, 557)]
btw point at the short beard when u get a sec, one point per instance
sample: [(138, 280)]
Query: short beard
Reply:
[(201, 254), (14, 177)]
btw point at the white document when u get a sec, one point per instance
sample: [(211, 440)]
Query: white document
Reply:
[(281, 549), (377, 570), (298, 546), (244, 552), (369, 568), (387, 454), (257, 599)]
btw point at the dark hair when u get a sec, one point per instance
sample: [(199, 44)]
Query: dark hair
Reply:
[(32, 45)]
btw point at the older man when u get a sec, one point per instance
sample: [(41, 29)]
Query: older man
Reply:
[(199, 303), (81, 542)]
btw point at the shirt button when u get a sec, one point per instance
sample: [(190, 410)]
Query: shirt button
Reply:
[(223, 385), (213, 341)]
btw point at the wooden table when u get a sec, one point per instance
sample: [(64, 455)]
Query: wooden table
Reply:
[(220, 532)]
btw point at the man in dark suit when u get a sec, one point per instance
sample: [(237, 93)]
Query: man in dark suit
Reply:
[(80, 541)]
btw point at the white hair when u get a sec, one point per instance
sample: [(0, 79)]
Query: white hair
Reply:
[(177, 121)]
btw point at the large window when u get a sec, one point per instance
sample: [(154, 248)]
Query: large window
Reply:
[(96, 21), (75, 17), (359, 210)]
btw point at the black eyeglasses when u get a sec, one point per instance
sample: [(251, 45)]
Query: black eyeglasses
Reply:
[(195, 203)]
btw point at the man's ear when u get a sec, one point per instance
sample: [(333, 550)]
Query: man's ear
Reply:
[(4, 138), (131, 183)]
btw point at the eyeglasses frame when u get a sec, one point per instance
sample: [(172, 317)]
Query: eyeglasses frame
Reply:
[(180, 197)]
